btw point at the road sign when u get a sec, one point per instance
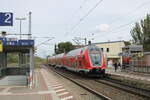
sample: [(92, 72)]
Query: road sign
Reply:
[(6, 19), (1, 46)]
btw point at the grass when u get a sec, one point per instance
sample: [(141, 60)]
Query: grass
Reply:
[(37, 62)]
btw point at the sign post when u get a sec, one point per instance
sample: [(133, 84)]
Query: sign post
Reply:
[(6, 19)]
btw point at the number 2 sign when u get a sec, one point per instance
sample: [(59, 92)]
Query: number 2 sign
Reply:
[(6, 19)]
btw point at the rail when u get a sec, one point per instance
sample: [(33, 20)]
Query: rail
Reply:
[(103, 97)]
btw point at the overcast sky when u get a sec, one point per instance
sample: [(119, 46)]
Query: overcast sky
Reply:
[(111, 20)]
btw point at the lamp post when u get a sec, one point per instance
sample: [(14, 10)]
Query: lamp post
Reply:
[(29, 32), (47, 59), (20, 19)]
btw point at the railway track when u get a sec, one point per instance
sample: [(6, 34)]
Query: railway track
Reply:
[(103, 97), (84, 83), (128, 88)]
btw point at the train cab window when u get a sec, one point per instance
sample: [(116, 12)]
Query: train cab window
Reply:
[(95, 56), (107, 49)]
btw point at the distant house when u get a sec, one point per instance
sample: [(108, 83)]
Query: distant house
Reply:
[(147, 58), (130, 50), (78, 46), (112, 49)]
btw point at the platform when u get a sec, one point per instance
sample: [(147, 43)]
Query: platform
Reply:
[(46, 87), (131, 75)]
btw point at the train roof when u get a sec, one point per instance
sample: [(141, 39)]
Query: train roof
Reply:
[(77, 51), (60, 55), (74, 52)]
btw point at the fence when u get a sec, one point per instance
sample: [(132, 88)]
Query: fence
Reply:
[(139, 66)]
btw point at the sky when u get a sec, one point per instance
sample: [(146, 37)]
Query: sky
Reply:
[(96, 20)]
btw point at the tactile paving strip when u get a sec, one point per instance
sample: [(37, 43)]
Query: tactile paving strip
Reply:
[(54, 84)]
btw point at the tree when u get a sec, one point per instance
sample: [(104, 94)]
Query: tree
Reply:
[(141, 33), (12, 57), (64, 47)]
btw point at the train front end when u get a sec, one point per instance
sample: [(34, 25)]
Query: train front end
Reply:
[(96, 61)]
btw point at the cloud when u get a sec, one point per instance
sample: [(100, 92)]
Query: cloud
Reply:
[(102, 27)]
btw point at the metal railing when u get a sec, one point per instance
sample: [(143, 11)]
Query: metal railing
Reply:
[(139, 66)]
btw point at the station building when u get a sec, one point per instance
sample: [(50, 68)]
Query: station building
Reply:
[(112, 49), (20, 73), (147, 58)]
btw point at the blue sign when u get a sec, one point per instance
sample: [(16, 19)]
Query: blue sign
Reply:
[(6, 19)]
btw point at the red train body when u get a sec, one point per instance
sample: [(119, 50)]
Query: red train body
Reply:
[(86, 60)]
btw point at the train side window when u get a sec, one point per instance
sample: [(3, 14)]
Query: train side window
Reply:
[(73, 64), (76, 63), (67, 61)]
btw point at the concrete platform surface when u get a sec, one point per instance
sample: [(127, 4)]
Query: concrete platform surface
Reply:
[(46, 87), (132, 75), (14, 80)]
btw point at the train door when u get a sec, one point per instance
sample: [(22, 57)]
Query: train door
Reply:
[(74, 63), (67, 62), (80, 63)]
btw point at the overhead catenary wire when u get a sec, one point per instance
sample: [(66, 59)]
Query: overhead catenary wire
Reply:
[(125, 15), (43, 37), (121, 27), (131, 12), (118, 27), (124, 25), (86, 15), (44, 42), (79, 9), (81, 6)]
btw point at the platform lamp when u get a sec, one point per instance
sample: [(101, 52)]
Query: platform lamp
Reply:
[(20, 19), (3, 34)]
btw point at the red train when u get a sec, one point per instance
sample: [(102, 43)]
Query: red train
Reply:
[(88, 60)]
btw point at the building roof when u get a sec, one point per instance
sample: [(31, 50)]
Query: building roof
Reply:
[(147, 53), (134, 47), (78, 46), (108, 42)]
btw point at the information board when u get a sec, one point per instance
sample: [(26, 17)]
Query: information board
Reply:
[(6, 19)]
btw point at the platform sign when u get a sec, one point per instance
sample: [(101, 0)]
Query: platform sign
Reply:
[(6, 19), (1, 46)]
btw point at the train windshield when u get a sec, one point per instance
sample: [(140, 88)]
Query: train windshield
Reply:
[(95, 55)]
